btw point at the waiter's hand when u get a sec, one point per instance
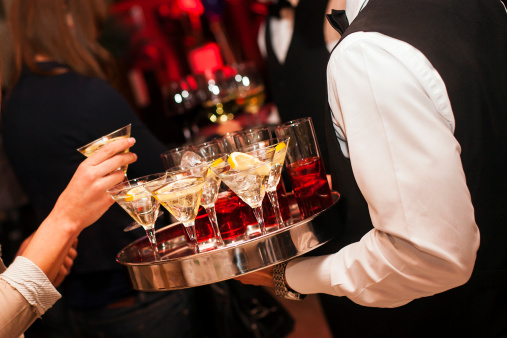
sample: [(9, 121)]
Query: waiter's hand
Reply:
[(262, 277)]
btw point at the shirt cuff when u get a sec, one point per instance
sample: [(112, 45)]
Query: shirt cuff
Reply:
[(32, 283), (310, 275)]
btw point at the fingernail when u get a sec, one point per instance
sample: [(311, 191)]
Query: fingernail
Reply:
[(132, 140)]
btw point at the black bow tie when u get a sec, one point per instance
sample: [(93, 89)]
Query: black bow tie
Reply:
[(275, 8), (339, 21)]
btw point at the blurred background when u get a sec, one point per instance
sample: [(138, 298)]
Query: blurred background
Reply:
[(191, 69), (188, 63)]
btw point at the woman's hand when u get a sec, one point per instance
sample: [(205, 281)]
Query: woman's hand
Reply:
[(85, 199)]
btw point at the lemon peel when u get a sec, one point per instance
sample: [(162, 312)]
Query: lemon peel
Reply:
[(136, 193)]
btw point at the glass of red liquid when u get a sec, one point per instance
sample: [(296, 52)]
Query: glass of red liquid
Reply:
[(270, 222), (205, 235), (229, 219), (305, 167)]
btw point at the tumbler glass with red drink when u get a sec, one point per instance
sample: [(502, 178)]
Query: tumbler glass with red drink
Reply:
[(305, 167)]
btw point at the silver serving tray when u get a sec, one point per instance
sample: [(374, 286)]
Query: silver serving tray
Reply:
[(181, 268)]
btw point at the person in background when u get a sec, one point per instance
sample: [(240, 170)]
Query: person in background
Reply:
[(27, 286), (296, 41), (419, 156), (61, 98)]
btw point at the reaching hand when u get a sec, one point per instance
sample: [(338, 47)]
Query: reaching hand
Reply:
[(85, 199)]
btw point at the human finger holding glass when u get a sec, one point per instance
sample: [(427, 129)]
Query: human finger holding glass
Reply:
[(25, 286)]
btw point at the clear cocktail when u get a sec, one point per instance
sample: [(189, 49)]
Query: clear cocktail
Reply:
[(247, 175), (139, 203), (180, 193)]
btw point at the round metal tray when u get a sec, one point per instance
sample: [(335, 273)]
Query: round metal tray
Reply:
[(181, 268)]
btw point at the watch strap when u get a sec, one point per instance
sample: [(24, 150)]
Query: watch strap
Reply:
[(281, 288)]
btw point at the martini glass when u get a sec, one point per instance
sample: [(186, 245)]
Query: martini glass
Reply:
[(139, 203), (280, 150), (247, 175), (180, 193), (92, 147), (211, 151)]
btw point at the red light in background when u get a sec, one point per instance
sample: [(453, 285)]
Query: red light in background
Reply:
[(205, 59), (193, 7)]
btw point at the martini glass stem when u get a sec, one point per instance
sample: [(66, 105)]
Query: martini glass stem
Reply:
[(190, 228), (150, 232), (260, 218), (212, 215), (273, 198)]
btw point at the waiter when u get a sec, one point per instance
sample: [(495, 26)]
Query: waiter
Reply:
[(418, 150)]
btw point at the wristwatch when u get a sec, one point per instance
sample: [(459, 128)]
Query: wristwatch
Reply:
[(281, 288)]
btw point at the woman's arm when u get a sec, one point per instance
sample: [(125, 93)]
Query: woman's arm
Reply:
[(25, 287), (83, 201)]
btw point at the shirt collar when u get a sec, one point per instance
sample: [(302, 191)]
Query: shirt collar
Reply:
[(353, 7)]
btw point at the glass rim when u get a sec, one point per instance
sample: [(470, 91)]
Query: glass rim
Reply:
[(232, 133), (209, 143), (127, 184), (253, 130), (177, 149), (285, 139), (181, 168), (104, 137), (294, 122)]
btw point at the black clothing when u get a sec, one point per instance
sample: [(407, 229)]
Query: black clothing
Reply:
[(466, 42), (298, 86), (46, 118)]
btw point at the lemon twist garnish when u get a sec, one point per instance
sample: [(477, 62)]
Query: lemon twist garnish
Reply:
[(242, 161), (280, 146), (216, 162), (135, 194)]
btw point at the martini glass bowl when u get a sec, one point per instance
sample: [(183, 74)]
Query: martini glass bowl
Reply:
[(139, 203), (280, 150), (180, 193), (247, 175)]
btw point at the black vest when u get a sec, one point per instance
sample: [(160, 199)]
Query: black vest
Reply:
[(466, 42), (298, 86)]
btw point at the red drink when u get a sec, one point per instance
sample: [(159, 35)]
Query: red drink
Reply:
[(267, 207), (229, 218), (249, 220), (310, 186), (204, 232)]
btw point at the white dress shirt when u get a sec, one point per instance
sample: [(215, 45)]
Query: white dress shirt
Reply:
[(25, 294), (394, 120)]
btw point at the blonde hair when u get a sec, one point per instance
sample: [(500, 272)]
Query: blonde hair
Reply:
[(62, 31)]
